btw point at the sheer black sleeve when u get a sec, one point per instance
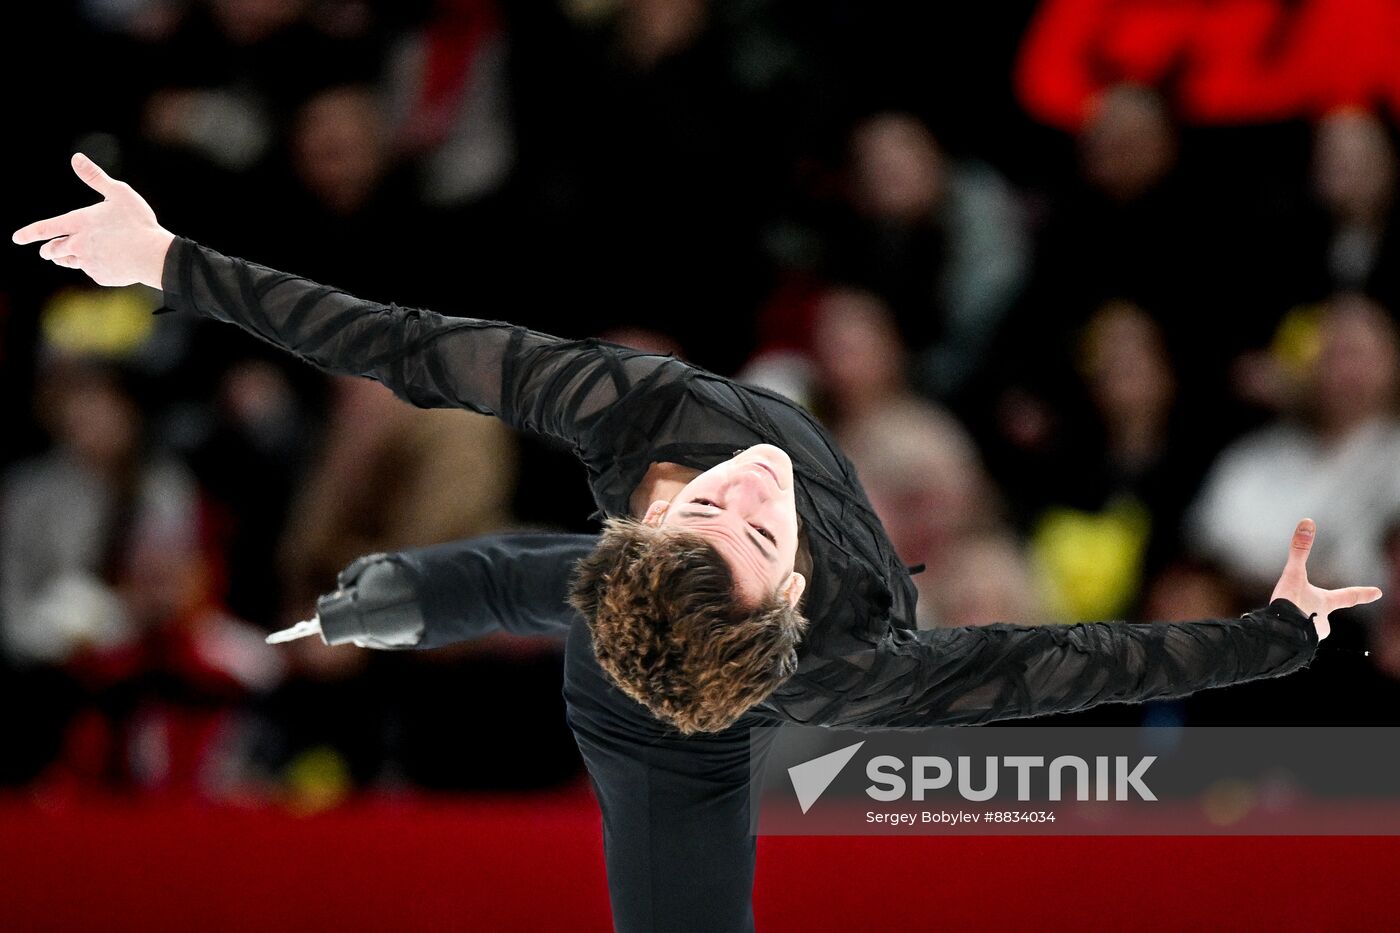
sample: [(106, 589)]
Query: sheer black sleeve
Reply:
[(530, 380), (515, 582), (983, 673)]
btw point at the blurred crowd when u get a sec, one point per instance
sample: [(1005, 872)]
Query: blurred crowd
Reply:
[(1083, 376)]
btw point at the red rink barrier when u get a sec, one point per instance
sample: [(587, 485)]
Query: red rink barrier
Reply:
[(535, 863)]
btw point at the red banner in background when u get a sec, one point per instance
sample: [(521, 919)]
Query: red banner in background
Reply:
[(1220, 61)]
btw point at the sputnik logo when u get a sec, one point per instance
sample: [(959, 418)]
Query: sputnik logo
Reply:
[(811, 778)]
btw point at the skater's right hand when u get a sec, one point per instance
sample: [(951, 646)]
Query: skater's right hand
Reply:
[(116, 241)]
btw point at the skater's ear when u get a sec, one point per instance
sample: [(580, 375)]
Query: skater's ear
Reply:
[(793, 587), (656, 512)]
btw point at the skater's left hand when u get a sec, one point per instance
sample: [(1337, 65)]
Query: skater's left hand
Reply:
[(1294, 586)]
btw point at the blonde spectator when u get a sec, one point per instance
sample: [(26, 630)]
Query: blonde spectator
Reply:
[(1336, 458), (925, 479)]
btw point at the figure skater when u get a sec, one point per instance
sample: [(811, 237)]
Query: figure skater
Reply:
[(741, 577)]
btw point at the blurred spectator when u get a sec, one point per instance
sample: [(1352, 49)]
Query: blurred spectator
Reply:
[(72, 517), (168, 709), (860, 358), (834, 349), (1353, 179), (660, 153), (339, 149), (1128, 147), (1131, 385), (234, 63), (1121, 227), (392, 476), (920, 468), (1109, 490), (1334, 460), (942, 241), (1385, 630), (1192, 589), (1133, 226), (249, 450), (987, 580), (925, 481), (196, 105), (345, 206), (1125, 227), (111, 573), (1124, 232), (449, 102), (650, 31)]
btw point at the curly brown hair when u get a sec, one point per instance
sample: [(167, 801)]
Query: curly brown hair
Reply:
[(671, 631)]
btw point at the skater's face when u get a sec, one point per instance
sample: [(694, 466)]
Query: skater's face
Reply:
[(746, 509)]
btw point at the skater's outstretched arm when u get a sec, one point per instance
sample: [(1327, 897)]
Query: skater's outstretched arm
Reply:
[(979, 674), (539, 383), (427, 597), (517, 583), (982, 673)]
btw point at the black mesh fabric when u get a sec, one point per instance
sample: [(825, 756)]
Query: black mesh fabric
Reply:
[(862, 661)]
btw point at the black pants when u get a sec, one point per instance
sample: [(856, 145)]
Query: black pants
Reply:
[(675, 808)]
